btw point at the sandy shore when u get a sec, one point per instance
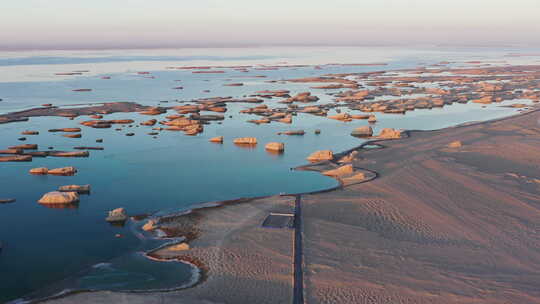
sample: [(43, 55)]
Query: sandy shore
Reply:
[(241, 261), (436, 225), (439, 224)]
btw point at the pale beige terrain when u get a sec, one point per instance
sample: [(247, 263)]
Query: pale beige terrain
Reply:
[(439, 224), (244, 262)]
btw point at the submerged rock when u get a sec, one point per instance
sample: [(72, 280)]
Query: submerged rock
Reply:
[(57, 197), (320, 156), (6, 201)]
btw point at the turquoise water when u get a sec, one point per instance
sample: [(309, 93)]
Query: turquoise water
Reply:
[(44, 246)]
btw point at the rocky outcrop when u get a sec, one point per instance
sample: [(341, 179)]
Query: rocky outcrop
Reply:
[(348, 158), (245, 141), (365, 131), (69, 153), (72, 130), (88, 148), (57, 197), (39, 171), (294, 132), (372, 119), (338, 172), (320, 156), (76, 135), (16, 158), (6, 201), (275, 147), (150, 122), (101, 124), (117, 215), (341, 117), (27, 132), (153, 111), (455, 144), (218, 139), (389, 133), (302, 97), (80, 189), (312, 110), (150, 225), (24, 147), (287, 119), (12, 151), (66, 171)]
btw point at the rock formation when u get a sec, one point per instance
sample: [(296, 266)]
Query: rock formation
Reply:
[(57, 197), (116, 215), (365, 131), (218, 139), (275, 147), (245, 141), (320, 156)]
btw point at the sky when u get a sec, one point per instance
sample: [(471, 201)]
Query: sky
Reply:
[(57, 24)]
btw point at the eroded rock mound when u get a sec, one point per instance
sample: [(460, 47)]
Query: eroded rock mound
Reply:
[(57, 197), (389, 133), (116, 215), (246, 141), (275, 147), (63, 171), (364, 131), (320, 156)]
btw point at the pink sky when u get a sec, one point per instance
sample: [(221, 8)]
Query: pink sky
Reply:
[(173, 23)]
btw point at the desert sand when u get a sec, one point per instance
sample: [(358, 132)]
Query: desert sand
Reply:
[(438, 225)]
